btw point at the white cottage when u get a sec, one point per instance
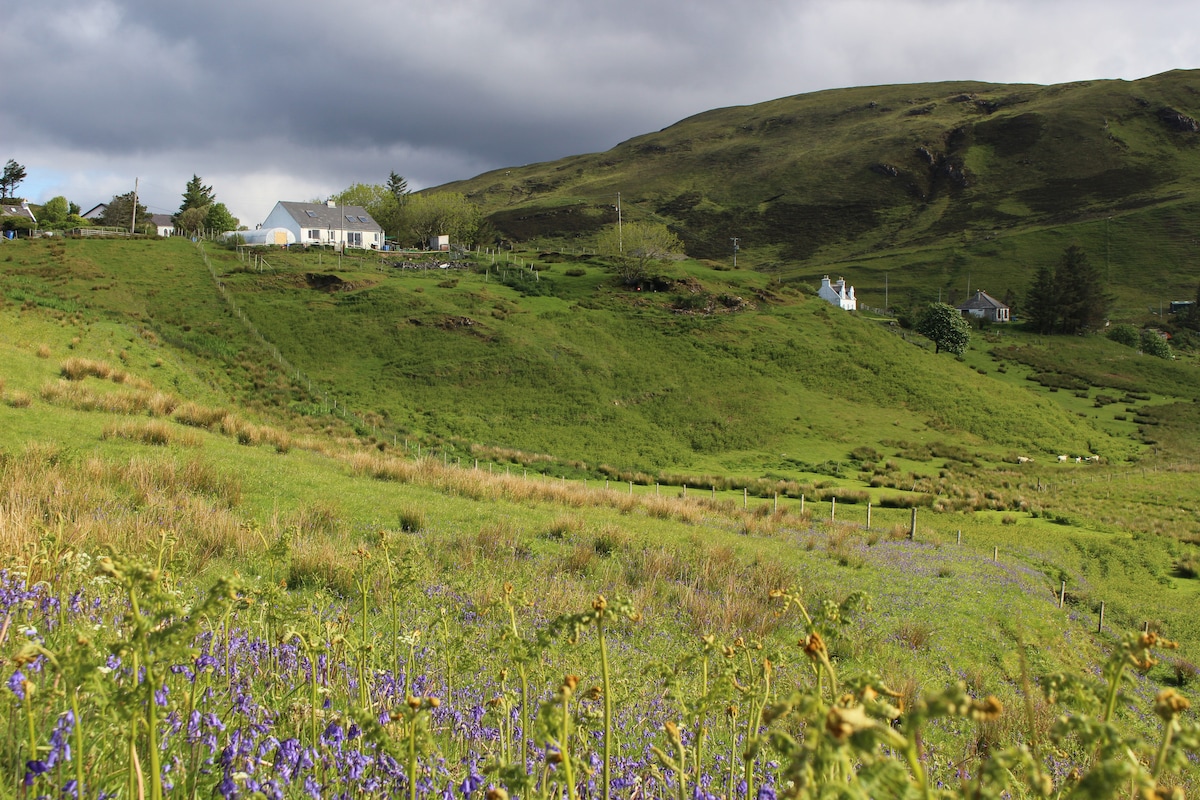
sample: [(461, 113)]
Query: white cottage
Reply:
[(838, 293), (326, 223)]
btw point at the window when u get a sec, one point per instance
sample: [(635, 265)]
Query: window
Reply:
[(363, 220), (315, 235), (354, 239), (349, 218), (310, 212)]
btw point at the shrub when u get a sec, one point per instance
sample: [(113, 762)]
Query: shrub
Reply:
[(1124, 334), (1153, 344)]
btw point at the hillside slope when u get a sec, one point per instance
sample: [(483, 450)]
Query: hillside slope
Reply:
[(725, 372), (873, 172)]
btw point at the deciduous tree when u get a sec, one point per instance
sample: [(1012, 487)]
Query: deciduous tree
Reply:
[(945, 326), (440, 213), (217, 218), (636, 247), (119, 214)]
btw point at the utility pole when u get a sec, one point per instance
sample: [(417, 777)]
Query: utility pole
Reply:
[(620, 230), (885, 291), (734, 239), (133, 218)]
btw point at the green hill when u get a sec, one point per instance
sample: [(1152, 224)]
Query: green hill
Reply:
[(768, 380), (945, 187)]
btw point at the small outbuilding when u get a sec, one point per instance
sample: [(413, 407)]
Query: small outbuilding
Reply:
[(984, 306), (280, 237)]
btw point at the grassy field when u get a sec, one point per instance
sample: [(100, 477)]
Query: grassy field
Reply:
[(569, 441)]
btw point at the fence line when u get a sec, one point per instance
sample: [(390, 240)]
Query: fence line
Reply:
[(328, 403)]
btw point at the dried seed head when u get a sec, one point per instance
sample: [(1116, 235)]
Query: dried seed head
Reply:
[(569, 683), (814, 646), (599, 604), (508, 588), (1170, 704), (731, 711), (987, 709), (414, 702), (673, 732), (433, 702), (496, 793), (595, 693)]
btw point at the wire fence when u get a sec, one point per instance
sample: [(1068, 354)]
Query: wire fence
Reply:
[(329, 402)]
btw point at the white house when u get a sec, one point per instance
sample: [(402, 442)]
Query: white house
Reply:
[(838, 293), (326, 223), (95, 212), (164, 224), (439, 242), (984, 306)]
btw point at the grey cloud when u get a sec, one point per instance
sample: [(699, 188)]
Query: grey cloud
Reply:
[(308, 96)]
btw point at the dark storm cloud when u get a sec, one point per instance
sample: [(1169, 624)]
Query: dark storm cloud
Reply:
[(264, 98)]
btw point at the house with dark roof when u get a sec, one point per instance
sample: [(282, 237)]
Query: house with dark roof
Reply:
[(95, 212), (326, 223), (164, 224), (17, 214), (984, 306)]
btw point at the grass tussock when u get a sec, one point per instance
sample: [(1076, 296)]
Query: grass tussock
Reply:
[(81, 398), (16, 398), (153, 432), (95, 504), (199, 416)]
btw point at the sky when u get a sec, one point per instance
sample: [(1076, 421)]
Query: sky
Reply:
[(268, 100)]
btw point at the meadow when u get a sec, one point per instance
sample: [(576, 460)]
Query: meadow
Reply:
[(220, 583)]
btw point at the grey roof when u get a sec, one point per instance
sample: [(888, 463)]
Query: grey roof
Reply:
[(162, 220), (981, 300), (17, 210), (320, 215)]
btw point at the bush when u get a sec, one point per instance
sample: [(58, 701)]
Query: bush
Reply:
[(1124, 334), (1153, 344)]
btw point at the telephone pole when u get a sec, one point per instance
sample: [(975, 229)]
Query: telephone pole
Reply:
[(133, 218), (734, 239)]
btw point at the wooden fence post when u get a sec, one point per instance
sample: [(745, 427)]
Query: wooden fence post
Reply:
[(1100, 627), (868, 515), (832, 509), (912, 526), (1062, 594)]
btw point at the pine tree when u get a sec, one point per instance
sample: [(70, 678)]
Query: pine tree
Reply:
[(196, 195), (1041, 303), (398, 186), (1083, 302)]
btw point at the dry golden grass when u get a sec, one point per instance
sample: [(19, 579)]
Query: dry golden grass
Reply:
[(43, 351), (199, 416), (155, 432), (81, 398), (100, 504), (17, 399), (483, 486)]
